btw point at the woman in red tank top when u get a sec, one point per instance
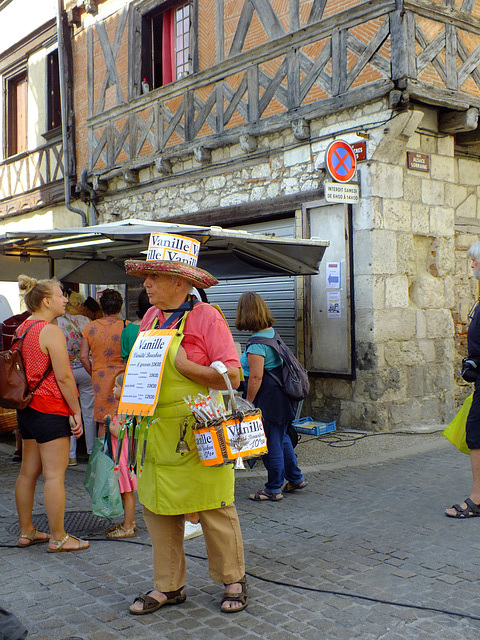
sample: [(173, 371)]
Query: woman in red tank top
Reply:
[(44, 424)]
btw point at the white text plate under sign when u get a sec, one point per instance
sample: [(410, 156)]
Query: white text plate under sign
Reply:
[(336, 192)]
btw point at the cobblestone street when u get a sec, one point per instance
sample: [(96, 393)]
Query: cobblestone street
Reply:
[(365, 552)]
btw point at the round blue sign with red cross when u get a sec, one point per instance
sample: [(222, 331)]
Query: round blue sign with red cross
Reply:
[(341, 161)]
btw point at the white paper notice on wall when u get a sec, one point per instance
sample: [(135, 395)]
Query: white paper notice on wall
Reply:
[(334, 305), (333, 275)]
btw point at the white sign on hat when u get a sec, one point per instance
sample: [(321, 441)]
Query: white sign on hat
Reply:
[(166, 246)]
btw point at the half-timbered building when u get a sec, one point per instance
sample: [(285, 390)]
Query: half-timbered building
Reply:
[(219, 112), (33, 178)]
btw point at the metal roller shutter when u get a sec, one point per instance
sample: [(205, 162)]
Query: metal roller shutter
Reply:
[(278, 292)]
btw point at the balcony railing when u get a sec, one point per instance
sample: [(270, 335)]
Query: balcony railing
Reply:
[(31, 170)]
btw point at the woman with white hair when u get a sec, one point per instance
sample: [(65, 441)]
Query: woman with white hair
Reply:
[(470, 508)]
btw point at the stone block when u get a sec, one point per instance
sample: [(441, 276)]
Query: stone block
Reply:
[(384, 252), (468, 171), (407, 254), (364, 211), (396, 291), (414, 142), (455, 194), (420, 218), (439, 323), (414, 410), (297, 155), (364, 325), (449, 292), (421, 331), (433, 192), (394, 324), (401, 354), (427, 292), (412, 188), (442, 168), (368, 415), (445, 145), (428, 144), (444, 255), (261, 171), (369, 292), (441, 221), (386, 180), (468, 208), (416, 381), (397, 215), (427, 349)]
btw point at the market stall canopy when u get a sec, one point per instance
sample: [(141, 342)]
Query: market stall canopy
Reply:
[(95, 254)]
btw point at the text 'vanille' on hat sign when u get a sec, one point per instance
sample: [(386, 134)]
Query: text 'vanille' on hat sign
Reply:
[(165, 246)]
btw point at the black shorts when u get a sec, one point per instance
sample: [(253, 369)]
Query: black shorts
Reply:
[(42, 427)]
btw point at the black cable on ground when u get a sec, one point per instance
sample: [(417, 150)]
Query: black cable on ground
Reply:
[(347, 438), (342, 594)]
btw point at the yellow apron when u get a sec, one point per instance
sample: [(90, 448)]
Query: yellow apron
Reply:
[(172, 483)]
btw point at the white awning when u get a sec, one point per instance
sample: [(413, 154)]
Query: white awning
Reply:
[(95, 254)]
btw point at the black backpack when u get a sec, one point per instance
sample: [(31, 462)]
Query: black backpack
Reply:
[(294, 378)]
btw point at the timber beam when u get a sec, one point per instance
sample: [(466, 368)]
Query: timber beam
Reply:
[(301, 129), (248, 143), (163, 165), (458, 121), (202, 154)]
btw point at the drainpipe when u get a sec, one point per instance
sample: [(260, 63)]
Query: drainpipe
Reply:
[(64, 107)]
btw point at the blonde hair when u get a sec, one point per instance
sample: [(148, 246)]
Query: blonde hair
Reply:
[(119, 380), (75, 300), (34, 291), (253, 313)]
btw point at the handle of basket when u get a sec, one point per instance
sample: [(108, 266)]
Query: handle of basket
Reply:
[(222, 370)]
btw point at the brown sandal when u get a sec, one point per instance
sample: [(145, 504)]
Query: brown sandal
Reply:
[(289, 487), (152, 604), (241, 597)]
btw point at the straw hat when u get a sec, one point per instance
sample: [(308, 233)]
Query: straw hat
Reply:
[(172, 255)]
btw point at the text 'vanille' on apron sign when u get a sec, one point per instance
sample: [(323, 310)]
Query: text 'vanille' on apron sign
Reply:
[(143, 375)]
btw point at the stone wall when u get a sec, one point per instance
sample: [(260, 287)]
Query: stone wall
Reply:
[(411, 276)]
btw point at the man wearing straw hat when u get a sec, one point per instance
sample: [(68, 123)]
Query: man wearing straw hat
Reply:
[(173, 483)]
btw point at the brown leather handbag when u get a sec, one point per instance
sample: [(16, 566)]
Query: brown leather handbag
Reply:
[(15, 392)]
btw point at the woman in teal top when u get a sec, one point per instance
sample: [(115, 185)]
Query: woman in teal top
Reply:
[(278, 409), (130, 332)]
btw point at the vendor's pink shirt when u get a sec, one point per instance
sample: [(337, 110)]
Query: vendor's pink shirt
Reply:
[(207, 335)]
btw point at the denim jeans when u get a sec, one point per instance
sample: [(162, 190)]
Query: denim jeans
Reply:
[(277, 412)]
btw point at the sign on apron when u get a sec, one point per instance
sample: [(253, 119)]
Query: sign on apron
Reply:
[(143, 375)]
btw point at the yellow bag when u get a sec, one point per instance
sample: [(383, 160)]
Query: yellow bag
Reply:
[(455, 432)]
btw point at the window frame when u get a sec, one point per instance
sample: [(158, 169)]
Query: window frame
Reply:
[(52, 102), (139, 17), (10, 78)]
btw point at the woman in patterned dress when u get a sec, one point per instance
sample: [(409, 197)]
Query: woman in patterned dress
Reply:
[(100, 355)]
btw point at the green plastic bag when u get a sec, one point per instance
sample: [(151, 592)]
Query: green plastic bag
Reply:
[(455, 432), (101, 482)]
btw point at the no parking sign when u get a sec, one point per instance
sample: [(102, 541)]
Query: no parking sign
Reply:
[(341, 161)]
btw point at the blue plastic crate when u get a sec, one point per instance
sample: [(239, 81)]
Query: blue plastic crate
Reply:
[(313, 427)]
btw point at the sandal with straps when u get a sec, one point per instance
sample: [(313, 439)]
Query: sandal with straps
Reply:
[(120, 532), (241, 597), (32, 539), (59, 545), (472, 510), (150, 604)]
